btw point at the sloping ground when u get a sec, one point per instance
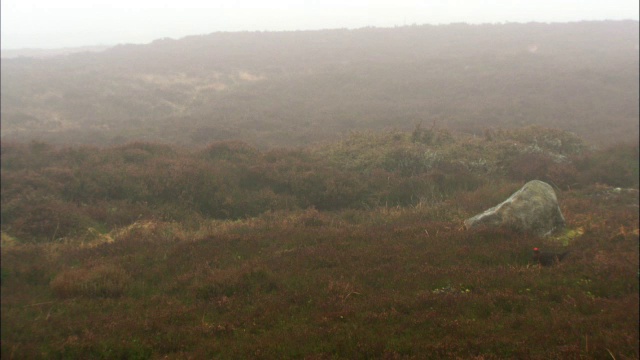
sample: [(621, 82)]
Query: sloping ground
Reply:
[(51, 192), (296, 88), (45, 53), (384, 283), (354, 249)]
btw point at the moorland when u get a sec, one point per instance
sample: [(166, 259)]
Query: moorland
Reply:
[(295, 88), (302, 195)]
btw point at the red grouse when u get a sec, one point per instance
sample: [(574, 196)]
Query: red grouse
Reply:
[(546, 258)]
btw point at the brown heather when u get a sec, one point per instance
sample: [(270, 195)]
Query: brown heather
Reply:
[(349, 250), (294, 88), (101, 281)]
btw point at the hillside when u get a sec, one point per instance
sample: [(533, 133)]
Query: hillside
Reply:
[(294, 88), (351, 249), (301, 195), (47, 53)]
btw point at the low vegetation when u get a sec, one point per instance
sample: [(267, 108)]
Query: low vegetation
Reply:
[(273, 89), (349, 249)]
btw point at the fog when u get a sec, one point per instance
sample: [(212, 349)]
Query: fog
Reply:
[(74, 23)]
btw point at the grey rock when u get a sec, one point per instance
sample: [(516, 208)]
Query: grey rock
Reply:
[(534, 208)]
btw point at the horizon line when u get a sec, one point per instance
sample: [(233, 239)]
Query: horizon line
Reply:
[(106, 46)]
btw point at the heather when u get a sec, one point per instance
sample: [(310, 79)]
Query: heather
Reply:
[(351, 248), (294, 88)]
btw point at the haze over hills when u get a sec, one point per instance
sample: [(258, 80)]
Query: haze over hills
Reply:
[(294, 88), (44, 53), (271, 246)]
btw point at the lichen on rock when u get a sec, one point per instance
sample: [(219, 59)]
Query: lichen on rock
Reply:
[(534, 208)]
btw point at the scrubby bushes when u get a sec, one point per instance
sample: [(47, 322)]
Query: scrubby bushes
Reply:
[(615, 166), (529, 166), (387, 282), (356, 258), (51, 192), (102, 281)]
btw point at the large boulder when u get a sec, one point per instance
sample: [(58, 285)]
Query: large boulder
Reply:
[(534, 208)]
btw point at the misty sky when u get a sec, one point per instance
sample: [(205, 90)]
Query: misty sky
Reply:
[(71, 23)]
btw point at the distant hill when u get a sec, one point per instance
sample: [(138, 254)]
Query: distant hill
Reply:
[(293, 88), (44, 53)]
